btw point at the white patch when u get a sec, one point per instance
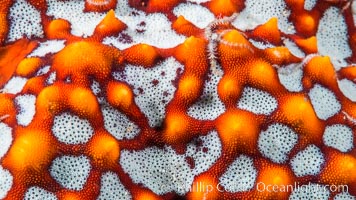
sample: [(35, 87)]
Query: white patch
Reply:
[(204, 155), (189, 12), (24, 20), (257, 101), (308, 161), (258, 12), (83, 23), (27, 107), (118, 125), (43, 70), (15, 85), (293, 48), (95, 87), (240, 176), (37, 193), (51, 78), (348, 88), (276, 142), (339, 137), (209, 105), (291, 76), (152, 99), (71, 171), (332, 37), (160, 170), (6, 181), (156, 29), (6, 139), (70, 129), (344, 196), (311, 191), (50, 46), (324, 102), (309, 4), (112, 188)]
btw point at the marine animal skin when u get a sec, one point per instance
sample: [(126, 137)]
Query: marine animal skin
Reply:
[(177, 99)]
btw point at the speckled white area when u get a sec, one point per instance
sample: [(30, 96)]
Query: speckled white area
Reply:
[(348, 88), (276, 142), (161, 170), (339, 137), (83, 23), (324, 102), (153, 87), (14, 85), (307, 161), (204, 151), (70, 129), (344, 196), (6, 181), (258, 12), (153, 29), (311, 191), (112, 188), (50, 46), (257, 101), (293, 48), (240, 175), (333, 38), (196, 14), (118, 125), (71, 171), (26, 20), (37, 193), (6, 138), (209, 106), (291, 76), (309, 4), (27, 109)]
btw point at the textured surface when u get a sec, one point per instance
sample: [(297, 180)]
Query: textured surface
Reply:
[(174, 99)]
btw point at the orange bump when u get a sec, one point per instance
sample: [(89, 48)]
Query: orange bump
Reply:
[(141, 54), (229, 89), (84, 103), (58, 29), (120, 95), (272, 182), (339, 170), (280, 56), (268, 31), (28, 66), (143, 194), (99, 5), (34, 85), (110, 25), (320, 69), (306, 24), (185, 27), (234, 46), (264, 76), (82, 59), (238, 131), (297, 111), (176, 128), (32, 150), (189, 88), (204, 187), (7, 109), (50, 101), (309, 45), (11, 56), (225, 7), (104, 150)]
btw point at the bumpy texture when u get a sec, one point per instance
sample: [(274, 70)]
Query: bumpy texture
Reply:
[(177, 99)]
